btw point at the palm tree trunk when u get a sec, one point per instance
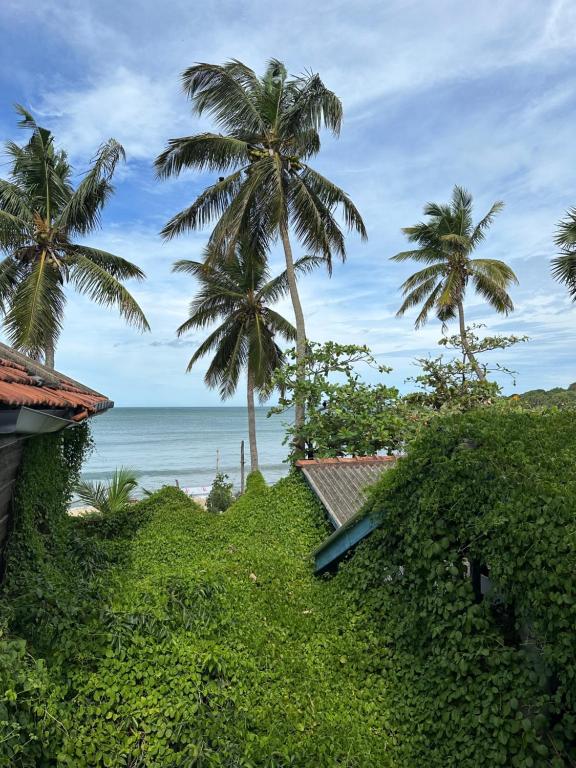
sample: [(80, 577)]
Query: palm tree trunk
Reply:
[(252, 423), (299, 413), (466, 346), (49, 355)]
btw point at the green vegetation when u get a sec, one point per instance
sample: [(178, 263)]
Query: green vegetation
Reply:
[(445, 244), (344, 414), (163, 635), (556, 397), (220, 496), (109, 498), (477, 683), (209, 644), (271, 130), (564, 265), (40, 214)]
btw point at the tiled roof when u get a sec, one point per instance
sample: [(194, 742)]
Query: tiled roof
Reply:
[(340, 484), (25, 382)]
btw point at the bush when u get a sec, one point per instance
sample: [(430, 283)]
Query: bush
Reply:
[(220, 496), (477, 682)]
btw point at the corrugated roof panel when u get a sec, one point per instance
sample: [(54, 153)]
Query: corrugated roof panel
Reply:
[(341, 483)]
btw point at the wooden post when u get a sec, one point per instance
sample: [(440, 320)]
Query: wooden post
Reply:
[(242, 467)]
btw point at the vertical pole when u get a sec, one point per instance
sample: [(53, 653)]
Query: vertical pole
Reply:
[(242, 466), (217, 460)]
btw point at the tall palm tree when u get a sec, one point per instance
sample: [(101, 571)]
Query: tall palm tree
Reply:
[(445, 243), (238, 291), (270, 130), (564, 265), (41, 214)]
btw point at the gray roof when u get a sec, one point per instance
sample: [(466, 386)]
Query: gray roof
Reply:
[(341, 484)]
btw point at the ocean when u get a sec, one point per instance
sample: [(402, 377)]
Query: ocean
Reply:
[(165, 445)]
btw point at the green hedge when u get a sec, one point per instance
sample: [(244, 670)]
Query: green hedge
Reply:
[(477, 683)]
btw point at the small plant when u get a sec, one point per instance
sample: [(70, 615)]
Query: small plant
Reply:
[(109, 498), (220, 496)]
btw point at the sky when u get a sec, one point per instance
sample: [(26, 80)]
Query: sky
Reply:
[(435, 94)]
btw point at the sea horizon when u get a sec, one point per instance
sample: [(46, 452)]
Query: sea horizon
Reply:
[(165, 445)]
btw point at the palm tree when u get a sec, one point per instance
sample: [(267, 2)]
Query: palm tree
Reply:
[(237, 291), (112, 497), (445, 243), (564, 265), (270, 130), (41, 214)]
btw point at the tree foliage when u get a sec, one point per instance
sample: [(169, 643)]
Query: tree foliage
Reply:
[(41, 217), (445, 243), (238, 293), (220, 496), (344, 414), (270, 130), (564, 265), (453, 384)]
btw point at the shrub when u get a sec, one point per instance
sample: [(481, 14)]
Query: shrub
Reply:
[(220, 496), (477, 682)]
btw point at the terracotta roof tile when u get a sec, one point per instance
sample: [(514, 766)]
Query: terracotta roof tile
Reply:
[(25, 382)]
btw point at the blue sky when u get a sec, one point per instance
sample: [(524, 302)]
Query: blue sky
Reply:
[(435, 94)]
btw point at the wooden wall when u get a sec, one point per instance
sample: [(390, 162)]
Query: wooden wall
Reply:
[(10, 455)]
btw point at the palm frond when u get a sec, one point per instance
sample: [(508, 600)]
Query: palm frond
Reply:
[(313, 106), (203, 152), (496, 270), (479, 232), (211, 204), (493, 291), (332, 196), (434, 272), (104, 288), (566, 231), (81, 214), (36, 305), (278, 287), (14, 231), (564, 270), (112, 497), (114, 265), (14, 201), (11, 271), (430, 304), (39, 169), (227, 92), (314, 224), (414, 295), (425, 255)]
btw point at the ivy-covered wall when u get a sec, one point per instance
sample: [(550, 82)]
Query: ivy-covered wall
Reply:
[(36, 596), (477, 682)]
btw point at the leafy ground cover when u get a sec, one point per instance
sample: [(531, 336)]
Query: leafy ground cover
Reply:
[(477, 681), (220, 648)]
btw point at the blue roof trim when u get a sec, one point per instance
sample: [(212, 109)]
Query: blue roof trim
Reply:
[(331, 551)]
